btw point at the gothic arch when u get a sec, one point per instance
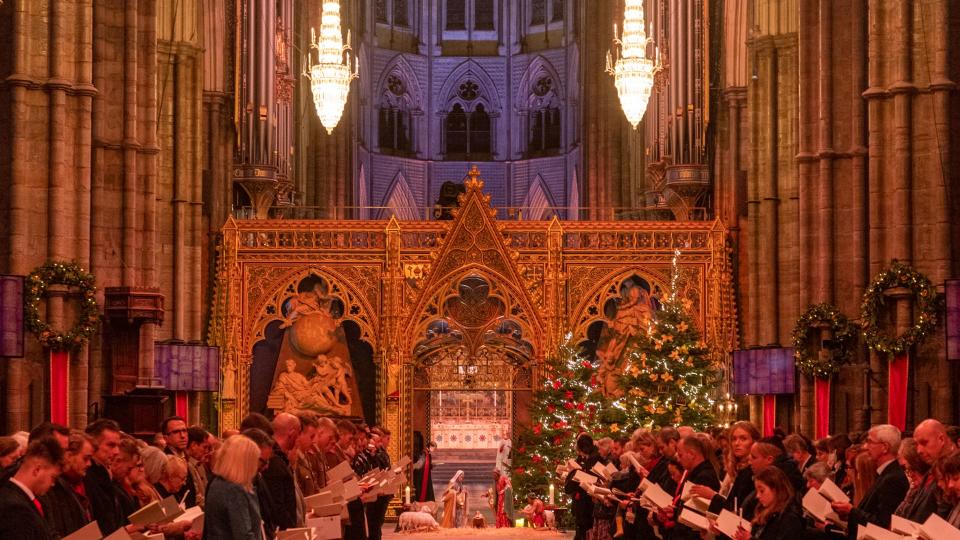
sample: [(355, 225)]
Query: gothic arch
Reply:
[(399, 200), (363, 195), (400, 67), (590, 307), (537, 203), (538, 68), (268, 307), (573, 196), (470, 69)]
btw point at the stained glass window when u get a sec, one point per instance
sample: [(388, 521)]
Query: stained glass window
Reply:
[(456, 14), (557, 10), (380, 11), (400, 15), (483, 14), (538, 11)]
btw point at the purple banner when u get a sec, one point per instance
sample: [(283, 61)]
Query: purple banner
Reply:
[(952, 292), (764, 371), (188, 366), (11, 316)]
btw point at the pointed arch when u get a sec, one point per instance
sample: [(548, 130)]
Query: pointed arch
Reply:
[(363, 195), (400, 67), (399, 200), (539, 67), (470, 69), (573, 197), (537, 203)]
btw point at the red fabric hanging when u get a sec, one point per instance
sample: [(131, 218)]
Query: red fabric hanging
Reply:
[(769, 414), (182, 405), (899, 368), (821, 392), (59, 381)]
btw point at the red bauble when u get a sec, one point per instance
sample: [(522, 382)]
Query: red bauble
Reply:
[(557, 440), (569, 394), (519, 470), (537, 459), (557, 385), (579, 406), (537, 429), (587, 364), (551, 409), (568, 405)]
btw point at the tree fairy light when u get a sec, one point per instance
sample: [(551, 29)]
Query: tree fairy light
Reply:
[(331, 74), (633, 73)]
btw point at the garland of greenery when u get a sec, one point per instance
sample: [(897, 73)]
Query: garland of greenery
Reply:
[(927, 301), (844, 333), (61, 273)]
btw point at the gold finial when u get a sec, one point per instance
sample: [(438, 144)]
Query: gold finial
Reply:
[(474, 183)]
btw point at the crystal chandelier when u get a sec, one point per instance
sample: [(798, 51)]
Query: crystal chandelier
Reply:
[(330, 76), (632, 72)]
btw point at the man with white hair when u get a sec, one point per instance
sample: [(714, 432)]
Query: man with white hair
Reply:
[(882, 500)]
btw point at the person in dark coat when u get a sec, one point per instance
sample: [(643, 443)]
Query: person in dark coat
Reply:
[(423, 474), (878, 504), (260, 488), (920, 500), (587, 457), (21, 513), (693, 453), (99, 488), (66, 507), (778, 515), (278, 475), (231, 510)]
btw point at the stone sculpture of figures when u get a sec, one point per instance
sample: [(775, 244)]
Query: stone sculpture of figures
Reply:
[(455, 503), (634, 315), (309, 302), (330, 381), (292, 386)]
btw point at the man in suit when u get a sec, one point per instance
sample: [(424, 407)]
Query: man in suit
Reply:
[(279, 476), (97, 483), (891, 486), (66, 507), (21, 513)]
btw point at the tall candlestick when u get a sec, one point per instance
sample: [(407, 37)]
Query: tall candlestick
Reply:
[(551, 495), (407, 493)]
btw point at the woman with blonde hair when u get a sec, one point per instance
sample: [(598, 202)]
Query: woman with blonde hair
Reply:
[(232, 511), (865, 476)]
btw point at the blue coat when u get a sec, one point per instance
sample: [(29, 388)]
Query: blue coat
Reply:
[(231, 512)]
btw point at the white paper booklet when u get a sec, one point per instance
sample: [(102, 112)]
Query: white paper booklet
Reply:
[(832, 492), (936, 528), (728, 523)]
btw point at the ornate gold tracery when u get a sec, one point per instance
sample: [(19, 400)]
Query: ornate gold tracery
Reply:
[(396, 279)]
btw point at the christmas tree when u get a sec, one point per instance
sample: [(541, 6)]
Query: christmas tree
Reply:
[(669, 375), (569, 403)]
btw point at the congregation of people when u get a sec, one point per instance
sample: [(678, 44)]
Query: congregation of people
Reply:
[(763, 480), (250, 483)]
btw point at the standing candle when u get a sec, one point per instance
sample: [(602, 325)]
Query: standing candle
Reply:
[(551, 495), (407, 493)]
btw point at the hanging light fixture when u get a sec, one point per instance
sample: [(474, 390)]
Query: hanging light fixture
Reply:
[(633, 72), (330, 76)]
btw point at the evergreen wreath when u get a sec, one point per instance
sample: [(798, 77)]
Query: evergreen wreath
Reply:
[(844, 333), (926, 298), (72, 275)]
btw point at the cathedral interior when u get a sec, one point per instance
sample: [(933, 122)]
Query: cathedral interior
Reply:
[(253, 238)]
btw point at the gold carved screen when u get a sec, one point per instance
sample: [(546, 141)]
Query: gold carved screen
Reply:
[(472, 304)]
